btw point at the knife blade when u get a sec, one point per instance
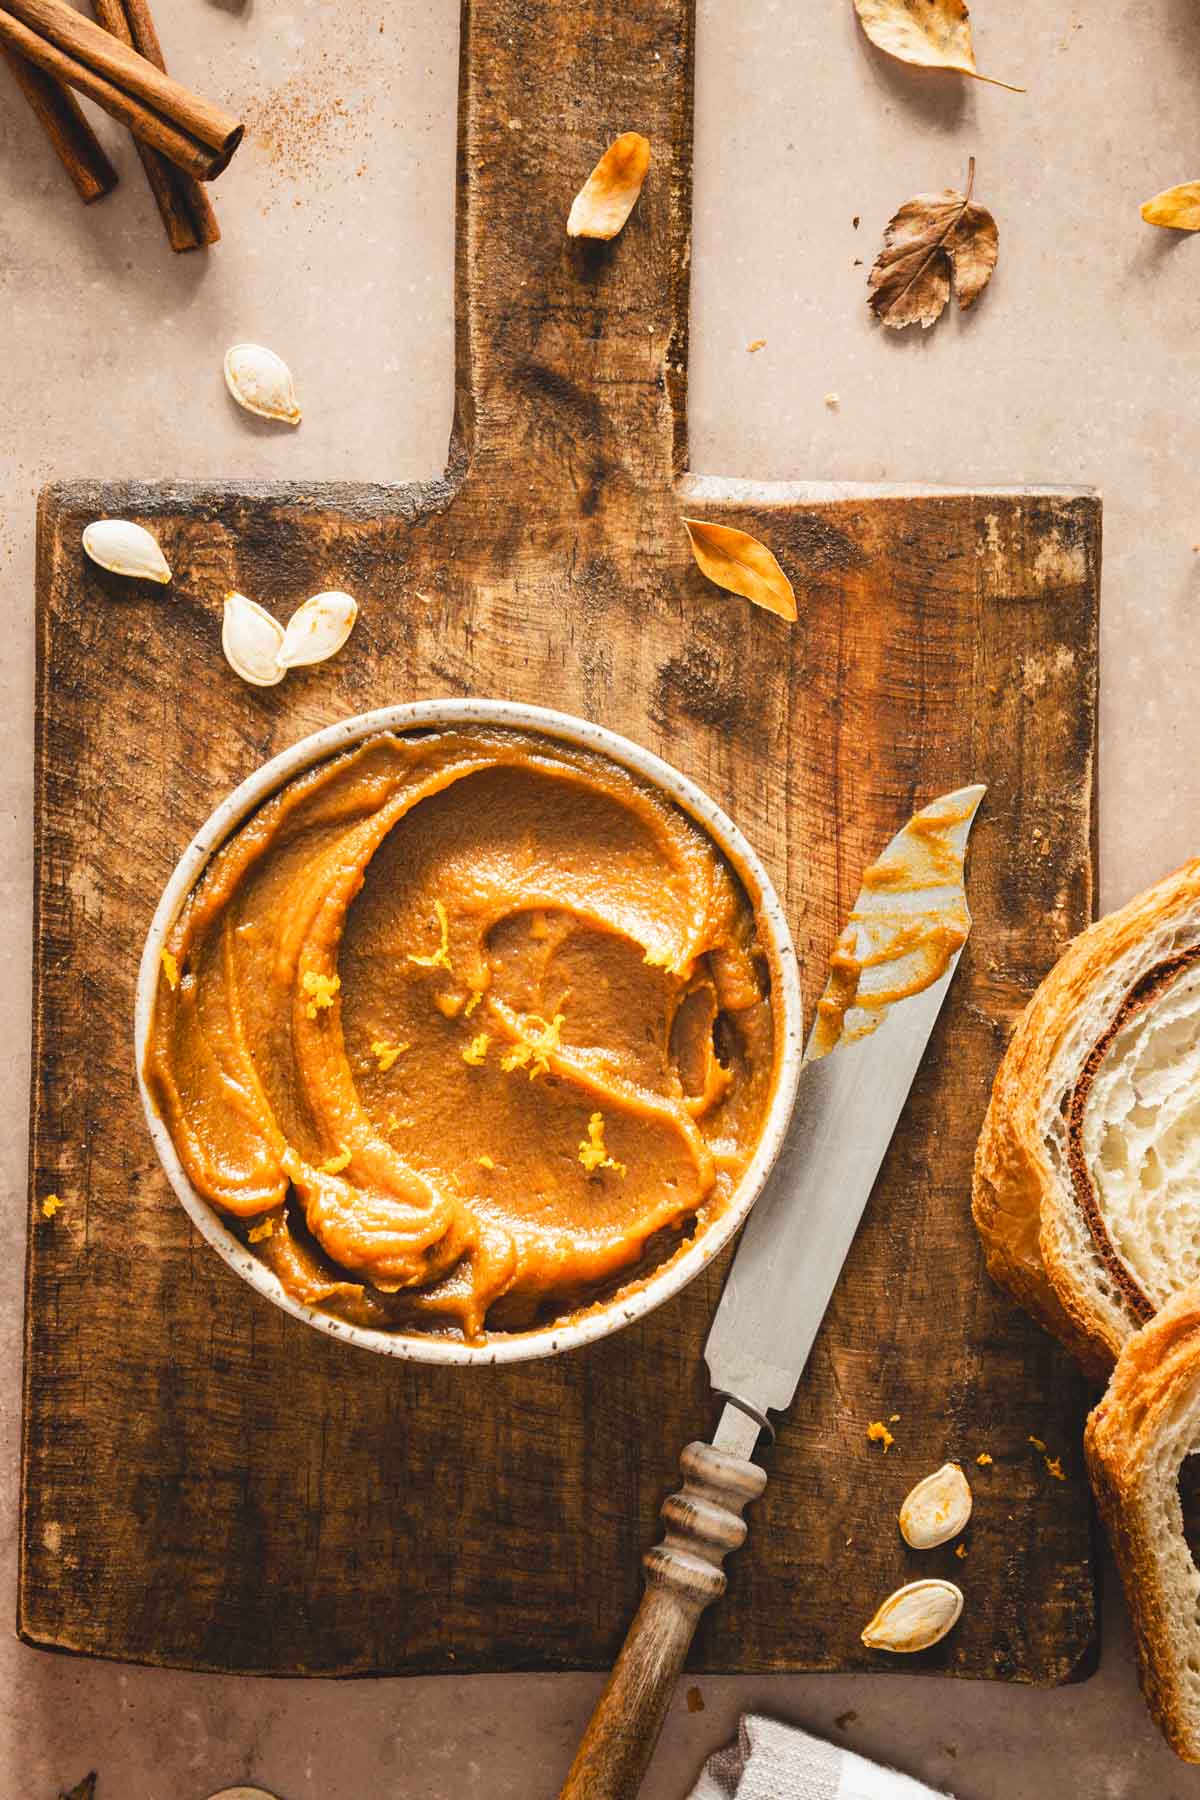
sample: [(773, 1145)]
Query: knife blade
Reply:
[(889, 974), (850, 1099)]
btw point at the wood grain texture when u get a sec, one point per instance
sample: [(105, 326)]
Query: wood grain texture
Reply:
[(208, 1483)]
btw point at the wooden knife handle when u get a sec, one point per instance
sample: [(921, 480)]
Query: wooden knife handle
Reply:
[(683, 1575)]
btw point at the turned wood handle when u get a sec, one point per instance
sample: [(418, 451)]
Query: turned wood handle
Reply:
[(683, 1575)]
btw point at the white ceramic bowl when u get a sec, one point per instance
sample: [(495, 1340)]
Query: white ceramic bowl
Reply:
[(597, 1321)]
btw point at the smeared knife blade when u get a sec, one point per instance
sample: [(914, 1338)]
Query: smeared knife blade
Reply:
[(889, 974)]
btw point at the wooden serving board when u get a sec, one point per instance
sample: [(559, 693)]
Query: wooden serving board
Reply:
[(208, 1483)]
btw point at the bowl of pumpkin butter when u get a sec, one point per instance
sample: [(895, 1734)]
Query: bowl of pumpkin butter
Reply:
[(468, 1031)]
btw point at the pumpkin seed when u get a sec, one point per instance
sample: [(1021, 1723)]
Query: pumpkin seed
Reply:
[(914, 1617), (126, 549), (251, 640), (318, 629), (261, 382), (937, 1509)]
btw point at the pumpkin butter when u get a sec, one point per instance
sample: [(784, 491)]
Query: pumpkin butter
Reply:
[(468, 1029)]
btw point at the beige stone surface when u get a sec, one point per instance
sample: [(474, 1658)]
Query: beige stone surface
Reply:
[(1079, 365)]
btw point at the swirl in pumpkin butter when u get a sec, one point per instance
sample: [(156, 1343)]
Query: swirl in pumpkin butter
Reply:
[(465, 1031)]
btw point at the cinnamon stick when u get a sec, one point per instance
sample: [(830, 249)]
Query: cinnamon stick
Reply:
[(191, 131), (183, 206), (61, 117)]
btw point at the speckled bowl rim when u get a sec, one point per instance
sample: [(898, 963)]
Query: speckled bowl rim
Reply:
[(598, 1321)]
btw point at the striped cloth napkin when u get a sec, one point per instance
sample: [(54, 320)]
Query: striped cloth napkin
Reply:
[(770, 1761)]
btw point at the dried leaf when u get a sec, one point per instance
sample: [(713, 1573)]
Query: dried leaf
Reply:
[(1177, 207), (933, 238), (609, 194), (934, 34), (738, 562)]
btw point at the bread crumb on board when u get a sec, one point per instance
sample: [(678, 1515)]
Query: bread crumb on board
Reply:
[(1053, 1464), (695, 1700), (50, 1205), (984, 1460), (756, 344), (878, 1433)]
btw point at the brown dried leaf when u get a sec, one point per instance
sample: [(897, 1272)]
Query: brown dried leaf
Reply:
[(933, 34), (1177, 207), (933, 238), (738, 562), (609, 194)]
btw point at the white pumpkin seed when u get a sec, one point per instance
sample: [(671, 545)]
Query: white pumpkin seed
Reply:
[(318, 629), (126, 549), (251, 640), (261, 382), (937, 1509), (914, 1617)]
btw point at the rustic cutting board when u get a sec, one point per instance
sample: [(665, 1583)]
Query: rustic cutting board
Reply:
[(209, 1483)]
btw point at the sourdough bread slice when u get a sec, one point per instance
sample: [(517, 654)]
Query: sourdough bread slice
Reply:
[(1137, 1440), (1087, 1172)]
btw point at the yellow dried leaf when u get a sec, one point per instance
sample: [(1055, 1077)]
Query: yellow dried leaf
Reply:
[(1177, 207), (738, 562), (933, 34), (609, 194), (933, 238)]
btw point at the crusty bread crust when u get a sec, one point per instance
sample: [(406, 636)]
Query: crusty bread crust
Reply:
[(1135, 1442), (1019, 1198)]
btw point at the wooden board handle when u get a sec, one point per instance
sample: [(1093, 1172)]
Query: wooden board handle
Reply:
[(683, 1575), (571, 355)]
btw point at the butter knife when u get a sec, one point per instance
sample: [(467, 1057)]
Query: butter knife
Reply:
[(889, 974)]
